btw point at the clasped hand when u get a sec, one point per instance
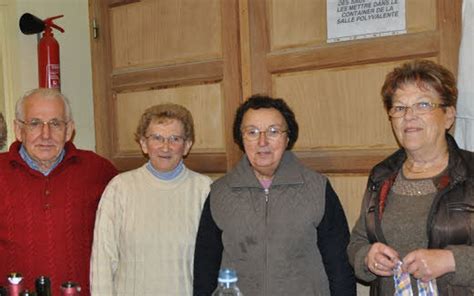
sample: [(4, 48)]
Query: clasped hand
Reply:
[(424, 264)]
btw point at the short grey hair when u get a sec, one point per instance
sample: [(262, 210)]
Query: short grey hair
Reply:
[(48, 93)]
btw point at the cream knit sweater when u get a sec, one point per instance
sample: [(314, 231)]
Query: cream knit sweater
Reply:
[(145, 233)]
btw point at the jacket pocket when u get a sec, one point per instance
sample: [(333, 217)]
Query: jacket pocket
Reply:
[(461, 207)]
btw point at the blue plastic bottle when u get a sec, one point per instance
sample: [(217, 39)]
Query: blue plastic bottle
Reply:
[(227, 283)]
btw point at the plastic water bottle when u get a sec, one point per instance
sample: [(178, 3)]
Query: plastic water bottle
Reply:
[(227, 283)]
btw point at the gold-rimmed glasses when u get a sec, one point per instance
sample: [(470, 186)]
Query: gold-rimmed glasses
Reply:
[(419, 108)]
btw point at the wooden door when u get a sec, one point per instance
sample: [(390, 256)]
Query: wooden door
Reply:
[(148, 52)]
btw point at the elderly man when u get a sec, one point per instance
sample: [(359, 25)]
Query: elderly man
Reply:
[(49, 192)]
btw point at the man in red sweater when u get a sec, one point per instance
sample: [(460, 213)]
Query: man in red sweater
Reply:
[(49, 192)]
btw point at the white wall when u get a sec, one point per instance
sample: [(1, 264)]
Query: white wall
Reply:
[(76, 76)]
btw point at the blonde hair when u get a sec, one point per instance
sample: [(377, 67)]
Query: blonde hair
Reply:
[(162, 112)]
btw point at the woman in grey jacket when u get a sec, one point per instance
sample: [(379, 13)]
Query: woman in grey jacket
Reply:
[(278, 223)]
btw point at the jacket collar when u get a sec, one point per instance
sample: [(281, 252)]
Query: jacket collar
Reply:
[(289, 171), (457, 168)]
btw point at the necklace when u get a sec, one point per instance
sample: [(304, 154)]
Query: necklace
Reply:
[(429, 168)]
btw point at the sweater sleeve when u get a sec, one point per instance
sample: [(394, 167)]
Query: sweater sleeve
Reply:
[(105, 254), (333, 237), (208, 253), (464, 260), (359, 246)]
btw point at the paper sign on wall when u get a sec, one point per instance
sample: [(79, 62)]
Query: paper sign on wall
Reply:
[(358, 19)]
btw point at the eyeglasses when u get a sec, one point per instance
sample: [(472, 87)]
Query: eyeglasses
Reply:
[(417, 108), (253, 134), (36, 125), (158, 139)]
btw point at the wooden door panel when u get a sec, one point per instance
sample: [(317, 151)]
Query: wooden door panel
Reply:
[(280, 47), (350, 190), (334, 88), (296, 23), (189, 29), (338, 108), (154, 51), (202, 100), (303, 23)]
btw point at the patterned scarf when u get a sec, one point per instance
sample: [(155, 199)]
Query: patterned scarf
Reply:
[(403, 284)]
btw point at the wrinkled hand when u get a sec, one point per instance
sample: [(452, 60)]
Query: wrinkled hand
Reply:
[(429, 264), (381, 259)]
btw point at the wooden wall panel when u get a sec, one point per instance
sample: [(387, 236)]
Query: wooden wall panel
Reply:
[(303, 23), (201, 100), (338, 108), (189, 29), (350, 189), (421, 15), (298, 23), (287, 67), (150, 51), (275, 47)]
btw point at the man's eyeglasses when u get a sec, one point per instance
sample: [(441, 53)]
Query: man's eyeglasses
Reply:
[(417, 108), (271, 133), (36, 125), (158, 139)]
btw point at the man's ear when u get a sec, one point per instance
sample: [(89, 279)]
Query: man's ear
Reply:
[(17, 128), (70, 130)]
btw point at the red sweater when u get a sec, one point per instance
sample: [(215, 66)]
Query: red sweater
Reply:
[(46, 222)]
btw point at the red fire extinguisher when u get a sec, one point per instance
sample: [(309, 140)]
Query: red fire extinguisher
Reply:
[(49, 75)]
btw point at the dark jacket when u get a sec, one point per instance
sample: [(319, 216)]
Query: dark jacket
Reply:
[(450, 222), (288, 240)]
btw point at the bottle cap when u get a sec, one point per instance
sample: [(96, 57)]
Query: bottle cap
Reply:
[(227, 275), (15, 278), (70, 288), (43, 280), (27, 293)]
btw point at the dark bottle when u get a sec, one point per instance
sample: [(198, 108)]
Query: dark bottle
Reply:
[(3, 291), (70, 289), (27, 293), (15, 284), (43, 286)]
